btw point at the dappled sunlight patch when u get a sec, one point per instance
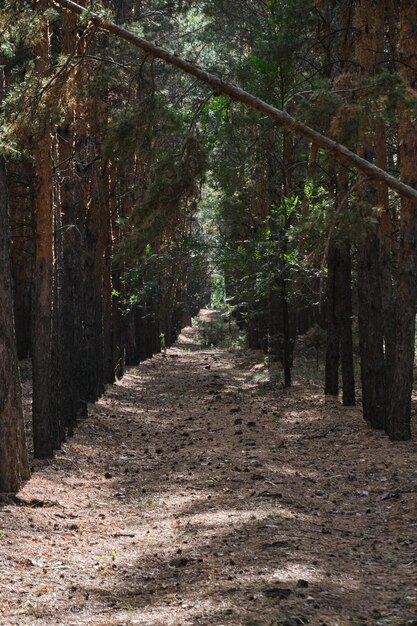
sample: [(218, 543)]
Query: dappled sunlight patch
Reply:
[(226, 517), (293, 572)]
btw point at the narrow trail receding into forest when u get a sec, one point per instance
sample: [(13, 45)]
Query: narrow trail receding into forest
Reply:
[(198, 493)]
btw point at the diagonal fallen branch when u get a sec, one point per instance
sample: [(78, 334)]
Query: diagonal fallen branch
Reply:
[(240, 95)]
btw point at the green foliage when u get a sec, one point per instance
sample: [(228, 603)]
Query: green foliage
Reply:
[(21, 25), (95, 6), (317, 107), (221, 333), (203, 190), (218, 291), (280, 37)]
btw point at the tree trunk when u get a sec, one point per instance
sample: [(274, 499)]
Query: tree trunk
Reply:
[(58, 380), (87, 158), (371, 321), (100, 219), (331, 382), (371, 332), (287, 352), (70, 402), (288, 158), (43, 414), (339, 287), (21, 194), (398, 424), (344, 315), (14, 467), (108, 353)]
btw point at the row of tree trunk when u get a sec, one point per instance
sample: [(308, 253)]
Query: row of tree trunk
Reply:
[(71, 314), (386, 346), (386, 260)]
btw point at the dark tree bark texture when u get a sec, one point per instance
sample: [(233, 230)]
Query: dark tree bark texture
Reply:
[(14, 466), (399, 414), (370, 288), (42, 309)]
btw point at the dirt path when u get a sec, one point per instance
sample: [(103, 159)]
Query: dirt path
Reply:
[(195, 495)]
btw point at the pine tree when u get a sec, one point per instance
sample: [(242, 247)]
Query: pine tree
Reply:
[(14, 467), (404, 311)]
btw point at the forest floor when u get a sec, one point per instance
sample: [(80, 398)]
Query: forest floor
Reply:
[(199, 493)]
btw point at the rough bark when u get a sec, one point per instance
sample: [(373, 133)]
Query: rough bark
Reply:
[(70, 292), (398, 423), (58, 322), (288, 158), (371, 332), (108, 321), (87, 157), (331, 380), (42, 408), (21, 194), (339, 345), (344, 315), (370, 288), (385, 228), (100, 217), (14, 468), (339, 285), (108, 362), (70, 403)]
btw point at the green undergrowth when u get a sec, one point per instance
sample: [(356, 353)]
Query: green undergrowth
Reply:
[(220, 333)]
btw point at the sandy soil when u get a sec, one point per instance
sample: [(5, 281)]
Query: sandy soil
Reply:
[(198, 493)]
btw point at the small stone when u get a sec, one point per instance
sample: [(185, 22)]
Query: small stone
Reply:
[(277, 592), (180, 562), (302, 584), (257, 477)]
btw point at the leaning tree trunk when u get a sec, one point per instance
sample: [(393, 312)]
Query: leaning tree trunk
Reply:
[(14, 466), (398, 424)]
